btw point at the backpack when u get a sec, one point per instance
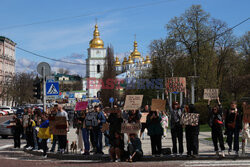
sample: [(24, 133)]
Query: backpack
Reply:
[(91, 119)]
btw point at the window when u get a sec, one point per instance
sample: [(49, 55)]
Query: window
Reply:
[(98, 68)]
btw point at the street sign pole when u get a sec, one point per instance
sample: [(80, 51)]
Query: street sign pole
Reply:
[(44, 91)]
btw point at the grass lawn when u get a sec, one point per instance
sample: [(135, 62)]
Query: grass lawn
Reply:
[(205, 128), (210, 139)]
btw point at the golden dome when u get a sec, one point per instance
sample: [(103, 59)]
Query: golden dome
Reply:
[(130, 61), (135, 53), (147, 61), (124, 61), (117, 62), (142, 60), (96, 42)]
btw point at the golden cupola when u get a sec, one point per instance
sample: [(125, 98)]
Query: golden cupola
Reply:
[(135, 53), (147, 61), (142, 60), (96, 42), (124, 61), (130, 61), (117, 62)]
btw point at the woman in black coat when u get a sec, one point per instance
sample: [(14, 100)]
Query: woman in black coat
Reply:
[(192, 133)]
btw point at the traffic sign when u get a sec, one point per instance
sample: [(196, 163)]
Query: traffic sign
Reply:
[(52, 88), (111, 99), (44, 66)]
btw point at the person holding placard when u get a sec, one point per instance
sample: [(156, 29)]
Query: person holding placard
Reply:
[(155, 131), (233, 126), (216, 124), (192, 132)]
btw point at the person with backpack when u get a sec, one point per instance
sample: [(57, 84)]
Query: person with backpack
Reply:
[(233, 126), (216, 124), (97, 130), (91, 123)]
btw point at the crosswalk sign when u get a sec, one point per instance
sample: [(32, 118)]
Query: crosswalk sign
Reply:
[(52, 88)]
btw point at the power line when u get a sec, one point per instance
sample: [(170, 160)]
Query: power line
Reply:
[(68, 62), (86, 15)]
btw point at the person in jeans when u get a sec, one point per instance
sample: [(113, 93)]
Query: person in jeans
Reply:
[(155, 131), (233, 126), (55, 138), (62, 139), (192, 132), (42, 133), (216, 124), (97, 130)]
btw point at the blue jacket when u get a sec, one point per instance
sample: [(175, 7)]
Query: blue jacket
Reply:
[(102, 119)]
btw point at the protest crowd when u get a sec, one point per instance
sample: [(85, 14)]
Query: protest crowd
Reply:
[(124, 127)]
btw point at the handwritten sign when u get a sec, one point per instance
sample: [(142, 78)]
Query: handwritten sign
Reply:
[(158, 104), (176, 84), (81, 105), (58, 125), (144, 117), (130, 128), (211, 94), (246, 116), (190, 119), (105, 127), (112, 110), (133, 102)]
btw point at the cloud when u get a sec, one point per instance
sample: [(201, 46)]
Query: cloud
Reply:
[(25, 65)]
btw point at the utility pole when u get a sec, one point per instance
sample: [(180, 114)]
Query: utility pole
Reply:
[(44, 90)]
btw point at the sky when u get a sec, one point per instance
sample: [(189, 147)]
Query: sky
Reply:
[(118, 21)]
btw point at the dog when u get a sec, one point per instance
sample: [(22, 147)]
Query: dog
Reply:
[(73, 147)]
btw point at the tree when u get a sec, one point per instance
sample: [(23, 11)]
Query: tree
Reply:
[(63, 71), (108, 74)]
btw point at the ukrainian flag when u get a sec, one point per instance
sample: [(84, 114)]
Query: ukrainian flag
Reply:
[(43, 132)]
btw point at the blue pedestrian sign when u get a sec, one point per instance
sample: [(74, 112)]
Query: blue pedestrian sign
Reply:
[(52, 88), (111, 99)]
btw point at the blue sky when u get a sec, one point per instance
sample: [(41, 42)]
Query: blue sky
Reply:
[(68, 39)]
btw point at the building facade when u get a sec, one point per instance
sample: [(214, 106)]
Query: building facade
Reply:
[(7, 67), (95, 64)]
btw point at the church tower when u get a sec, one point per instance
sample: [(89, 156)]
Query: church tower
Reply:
[(95, 63)]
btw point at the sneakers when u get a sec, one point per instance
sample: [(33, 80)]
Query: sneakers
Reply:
[(181, 155), (229, 151), (223, 153), (29, 148), (45, 156), (236, 153), (118, 160)]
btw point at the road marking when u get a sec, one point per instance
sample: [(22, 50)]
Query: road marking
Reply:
[(6, 146), (218, 163)]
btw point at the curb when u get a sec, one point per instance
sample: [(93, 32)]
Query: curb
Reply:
[(106, 158)]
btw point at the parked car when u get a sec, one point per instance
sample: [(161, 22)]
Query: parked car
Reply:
[(2, 113), (19, 113), (5, 129), (8, 109)]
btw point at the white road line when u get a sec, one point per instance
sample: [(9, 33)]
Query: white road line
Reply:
[(219, 163), (6, 146)]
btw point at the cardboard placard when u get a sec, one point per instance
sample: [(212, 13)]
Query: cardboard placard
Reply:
[(58, 125), (158, 104), (105, 127), (25, 120), (176, 84), (130, 128), (112, 110), (246, 114), (81, 106), (190, 119), (144, 117), (211, 94), (133, 102)]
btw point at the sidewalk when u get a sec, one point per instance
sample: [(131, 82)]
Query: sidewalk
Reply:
[(206, 150)]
